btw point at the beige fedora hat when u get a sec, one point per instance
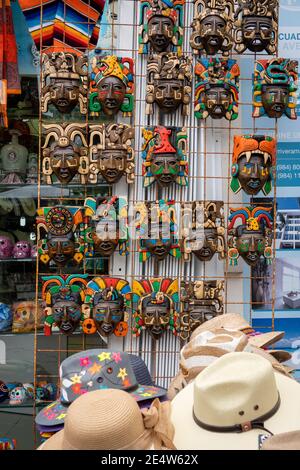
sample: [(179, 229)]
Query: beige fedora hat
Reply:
[(232, 402), (111, 419)]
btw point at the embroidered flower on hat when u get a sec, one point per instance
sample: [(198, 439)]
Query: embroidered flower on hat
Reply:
[(84, 361), (95, 368), (117, 357), (103, 356), (76, 388), (122, 373), (76, 379), (62, 416)]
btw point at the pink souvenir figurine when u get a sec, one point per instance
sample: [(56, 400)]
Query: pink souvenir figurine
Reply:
[(6, 247)]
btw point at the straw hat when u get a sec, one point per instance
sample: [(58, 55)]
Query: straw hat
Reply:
[(233, 401), (112, 420)]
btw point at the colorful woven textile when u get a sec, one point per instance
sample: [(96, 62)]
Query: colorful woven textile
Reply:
[(58, 25)]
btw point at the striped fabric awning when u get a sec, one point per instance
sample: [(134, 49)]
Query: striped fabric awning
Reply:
[(66, 25)]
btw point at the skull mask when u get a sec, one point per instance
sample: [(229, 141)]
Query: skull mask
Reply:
[(6, 247), (108, 310), (22, 250)]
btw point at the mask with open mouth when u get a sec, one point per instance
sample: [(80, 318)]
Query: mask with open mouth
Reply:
[(156, 306), (256, 26), (253, 162), (111, 152), (65, 153), (111, 85), (202, 229), (107, 226), (169, 79), (164, 154), (107, 300), (252, 239), (200, 301), (217, 88), (64, 296), (64, 82), (161, 26), (212, 26), (60, 238), (275, 88), (157, 230)]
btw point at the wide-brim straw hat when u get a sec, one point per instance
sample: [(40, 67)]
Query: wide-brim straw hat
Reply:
[(239, 391), (111, 420)]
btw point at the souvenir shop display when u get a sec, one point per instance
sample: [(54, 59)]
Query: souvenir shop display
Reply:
[(203, 229), (26, 316), (161, 26), (65, 152), (217, 88), (164, 154), (256, 26), (156, 306), (275, 85), (60, 235), (200, 301), (14, 160), (169, 79), (156, 229), (111, 85), (253, 164), (212, 27), (64, 296), (252, 237), (111, 153), (107, 227), (64, 82), (106, 305)]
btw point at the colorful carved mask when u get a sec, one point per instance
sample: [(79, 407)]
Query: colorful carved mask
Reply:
[(6, 247), (64, 82), (161, 26), (252, 239), (275, 88), (203, 229), (107, 227), (22, 249), (60, 234), (169, 79), (64, 296), (13, 160), (156, 305), (256, 26), (111, 152), (157, 230), (106, 300), (65, 153), (111, 85), (212, 26), (201, 301), (217, 88), (253, 162), (164, 154)]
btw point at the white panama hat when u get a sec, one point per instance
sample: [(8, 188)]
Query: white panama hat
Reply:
[(232, 402)]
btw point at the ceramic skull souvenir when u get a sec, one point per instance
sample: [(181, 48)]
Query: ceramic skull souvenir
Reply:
[(156, 229), (22, 249), (106, 300), (169, 78), (252, 239), (203, 229), (64, 82), (161, 26), (111, 85), (64, 296), (256, 26), (60, 235), (253, 163), (212, 27), (200, 301), (6, 247), (107, 226), (111, 152), (156, 306), (17, 396), (65, 153), (217, 88), (275, 86), (14, 159), (164, 153)]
